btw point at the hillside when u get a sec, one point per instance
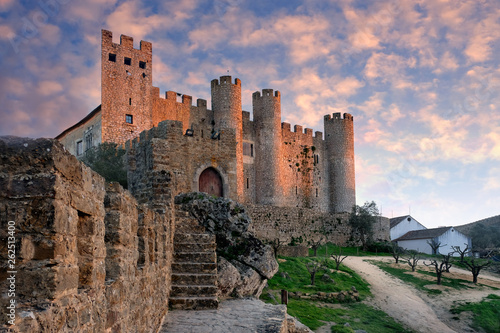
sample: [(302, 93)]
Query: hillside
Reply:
[(490, 221)]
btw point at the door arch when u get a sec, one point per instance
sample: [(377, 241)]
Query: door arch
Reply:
[(211, 182)]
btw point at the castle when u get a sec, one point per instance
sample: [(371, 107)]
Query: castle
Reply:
[(218, 151)]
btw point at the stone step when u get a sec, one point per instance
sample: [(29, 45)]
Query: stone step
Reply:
[(193, 303), (181, 213), (202, 268), (194, 279), (192, 257), (195, 247), (189, 228), (193, 238), (193, 290)]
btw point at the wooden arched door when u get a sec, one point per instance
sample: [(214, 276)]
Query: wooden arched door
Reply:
[(211, 182)]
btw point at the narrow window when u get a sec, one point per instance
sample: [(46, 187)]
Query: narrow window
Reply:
[(202, 133), (247, 183), (79, 148), (296, 190), (127, 61), (130, 101), (316, 193), (129, 119), (251, 150), (112, 57), (88, 141), (142, 64)]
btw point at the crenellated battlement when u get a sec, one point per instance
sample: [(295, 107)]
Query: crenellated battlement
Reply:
[(338, 116), (267, 93), (126, 42), (299, 130), (225, 80)]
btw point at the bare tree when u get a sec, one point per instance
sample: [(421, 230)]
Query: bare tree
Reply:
[(447, 262), (475, 265), (466, 251), (316, 244), (397, 251), (412, 260), (435, 245), (313, 267), (338, 258), (275, 244), (439, 267)]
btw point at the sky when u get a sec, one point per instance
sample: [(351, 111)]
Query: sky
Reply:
[(420, 78)]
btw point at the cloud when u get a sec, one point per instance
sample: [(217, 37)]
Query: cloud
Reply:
[(479, 48), (46, 88), (6, 4), (389, 68)]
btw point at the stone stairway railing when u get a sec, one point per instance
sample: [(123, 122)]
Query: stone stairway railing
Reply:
[(194, 270)]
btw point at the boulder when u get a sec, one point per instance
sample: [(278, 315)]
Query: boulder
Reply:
[(228, 277), (238, 250)]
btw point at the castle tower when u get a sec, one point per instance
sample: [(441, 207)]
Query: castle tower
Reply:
[(126, 83), (267, 125), (226, 105), (339, 139)]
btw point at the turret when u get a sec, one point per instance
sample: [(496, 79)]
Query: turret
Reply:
[(126, 88), (339, 140), (267, 125), (226, 105)]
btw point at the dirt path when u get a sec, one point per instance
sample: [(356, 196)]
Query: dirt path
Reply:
[(412, 308)]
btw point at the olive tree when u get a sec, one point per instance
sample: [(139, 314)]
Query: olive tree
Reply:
[(361, 220)]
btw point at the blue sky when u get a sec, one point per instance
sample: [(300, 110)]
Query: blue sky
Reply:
[(420, 78)]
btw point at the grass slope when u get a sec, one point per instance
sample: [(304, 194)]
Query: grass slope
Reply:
[(486, 314), (293, 276)]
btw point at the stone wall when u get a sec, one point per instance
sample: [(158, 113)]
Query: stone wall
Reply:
[(88, 257), (305, 225), (285, 223), (164, 151)]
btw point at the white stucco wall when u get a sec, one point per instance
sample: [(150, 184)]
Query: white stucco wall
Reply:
[(405, 226), (453, 238), (450, 238), (419, 245)]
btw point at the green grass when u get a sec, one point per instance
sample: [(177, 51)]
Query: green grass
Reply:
[(314, 313), (358, 315), (401, 273), (300, 278), (486, 314)]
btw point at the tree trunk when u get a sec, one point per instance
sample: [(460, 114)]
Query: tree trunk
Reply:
[(313, 275), (439, 277)]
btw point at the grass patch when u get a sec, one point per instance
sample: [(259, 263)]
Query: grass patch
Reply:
[(486, 314), (293, 276), (419, 283), (358, 315), (297, 278)]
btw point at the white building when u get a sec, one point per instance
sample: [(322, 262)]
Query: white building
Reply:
[(402, 224), (419, 240)]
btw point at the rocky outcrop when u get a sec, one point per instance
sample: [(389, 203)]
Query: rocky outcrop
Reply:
[(244, 262)]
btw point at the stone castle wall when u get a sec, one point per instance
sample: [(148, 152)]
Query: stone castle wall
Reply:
[(273, 165), (126, 84), (88, 257), (310, 225)]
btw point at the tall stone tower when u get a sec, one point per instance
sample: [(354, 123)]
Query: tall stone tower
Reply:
[(339, 139), (126, 83), (226, 105), (267, 126)]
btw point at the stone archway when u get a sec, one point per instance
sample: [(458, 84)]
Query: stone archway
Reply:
[(211, 182)]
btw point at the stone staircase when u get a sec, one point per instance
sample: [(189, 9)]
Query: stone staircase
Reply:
[(194, 270)]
